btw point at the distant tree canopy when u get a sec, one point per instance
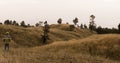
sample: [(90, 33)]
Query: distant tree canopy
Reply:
[(81, 26), (7, 22), (85, 26), (10, 22), (72, 27), (92, 25), (75, 21), (67, 23), (23, 24), (0, 23), (39, 24), (119, 27), (101, 30), (15, 23), (45, 22), (28, 25), (92, 17), (59, 21)]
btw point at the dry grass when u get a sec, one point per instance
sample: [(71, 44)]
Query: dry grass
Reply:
[(106, 46), (22, 36), (30, 37), (93, 49), (64, 49)]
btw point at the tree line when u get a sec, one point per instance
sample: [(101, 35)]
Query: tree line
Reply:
[(15, 23), (92, 26)]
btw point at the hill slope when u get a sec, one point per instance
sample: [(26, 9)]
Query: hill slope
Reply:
[(31, 36), (66, 46), (93, 49)]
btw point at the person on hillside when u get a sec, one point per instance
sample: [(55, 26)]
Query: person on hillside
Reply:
[(7, 40), (43, 37)]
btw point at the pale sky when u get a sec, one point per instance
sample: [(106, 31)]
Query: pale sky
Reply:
[(107, 12)]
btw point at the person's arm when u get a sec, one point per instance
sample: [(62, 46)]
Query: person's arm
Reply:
[(3, 39)]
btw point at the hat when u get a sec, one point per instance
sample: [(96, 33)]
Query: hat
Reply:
[(7, 32)]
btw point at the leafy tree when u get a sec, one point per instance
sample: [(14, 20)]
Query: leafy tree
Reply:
[(23, 24), (75, 21), (14, 22), (81, 26), (72, 27), (6, 22), (92, 17), (85, 26), (10, 22), (119, 28), (59, 21), (45, 22), (99, 30), (17, 24), (0, 23), (92, 25), (37, 24), (67, 23), (28, 25)]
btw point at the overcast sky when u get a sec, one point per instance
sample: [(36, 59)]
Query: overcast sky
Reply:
[(107, 12)]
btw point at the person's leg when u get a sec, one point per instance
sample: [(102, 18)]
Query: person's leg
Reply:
[(8, 47), (5, 47)]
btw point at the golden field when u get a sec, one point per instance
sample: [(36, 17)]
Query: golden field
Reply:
[(79, 46)]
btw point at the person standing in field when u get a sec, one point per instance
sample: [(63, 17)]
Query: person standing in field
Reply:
[(7, 40)]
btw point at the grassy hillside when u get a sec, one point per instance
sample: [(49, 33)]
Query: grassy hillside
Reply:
[(79, 46), (28, 37), (93, 49), (107, 46)]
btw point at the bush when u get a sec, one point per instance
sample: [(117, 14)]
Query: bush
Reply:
[(72, 27)]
